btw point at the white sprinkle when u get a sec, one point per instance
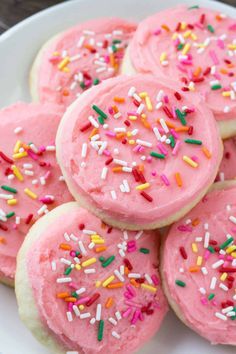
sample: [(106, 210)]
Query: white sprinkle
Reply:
[(120, 130), (112, 321), (92, 321), (226, 109), (206, 226), (127, 169), (84, 150), (18, 220), (131, 91), (160, 95), (85, 315), (202, 291), (148, 278), (90, 270), (65, 261), (50, 148), (159, 105), (217, 264), (122, 253), (118, 315), (115, 334), (231, 314), (53, 266), (134, 132), (6, 196), (104, 173), (134, 275), (157, 133), (143, 143), (122, 269), (138, 235), (220, 316), (232, 219), (72, 352), (61, 179), (89, 232), (91, 245), (227, 309), (73, 238), (88, 33), (181, 270), (80, 291), (102, 148), (113, 195), (140, 108), (222, 176), (126, 186), (66, 237), (206, 239), (98, 312), (117, 115), (42, 210), (223, 287), (198, 239), (69, 316), (10, 177), (42, 181), (18, 130), (204, 270), (95, 137), (228, 207), (93, 122), (120, 162), (138, 98), (82, 249), (125, 234), (213, 283), (64, 280), (118, 275), (116, 151), (76, 310), (164, 126)]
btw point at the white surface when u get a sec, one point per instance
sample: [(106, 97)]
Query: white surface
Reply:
[(18, 47)]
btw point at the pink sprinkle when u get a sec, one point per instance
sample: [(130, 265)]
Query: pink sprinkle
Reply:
[(186, 61), (154, 173), (72, 253), (133, 304), (155, 279), (111, 134), (14, 226), (32, 155), (110, 110), (73, 285), (131, 249), (174, 112), (217, 76), (199, 25), (136, 148), (135, 317), (207, 254), (220, 43), (221, 256), (203, 300), (132, 114), (165, 99), (141, 316), (176, 148), (106, 153), (107, 58), (42, 148), (128, 296), (229, 258), (194, 158), (233, 229), (173, 132), (213, 56), (232, 27), (70, 306), (54, 59), (214, 303), (184, 228), (46, 200), (165, 180), (88, 83), (131, 290), (162, 149), (47, 174), (157, 32), (83, 300), (181, 68), (149, 159), (126, 313)]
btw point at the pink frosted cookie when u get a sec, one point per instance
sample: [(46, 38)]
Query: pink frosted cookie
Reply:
[(227, 168), (88, 288), (138, 152), (199, 266), (30, 180), (79, 58), (196, 46)]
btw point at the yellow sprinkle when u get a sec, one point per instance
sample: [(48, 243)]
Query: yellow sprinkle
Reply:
[(193, 36), (175, 36), (226, 93), (17, 173), (194, 247), (190, 161), (149, 288), (17, 146), (98, 242), (129, 134), (131, 142), (232, 46), (223, 276), (183, 26), (66, 70), (199, 260), (142, 94), (12, 202), (89, 262), (186, 48), (63, 63), (148, 103), (78, 266), (132, 117), (81, 307), (163, 56), (230, 249), (143, 115), (56, 54), (19, 155), (98, 284), (143, 186), (108, 281), (233, 254), (187, 34), (30, 193)]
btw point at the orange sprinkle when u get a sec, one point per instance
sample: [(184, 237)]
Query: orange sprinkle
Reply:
[(165, 27), (94, 132), (88, 46), (2, 240), (117, 169), (70, 299), (134, 283), (178, 179), (115, 109), (63, 295), (25, 146), (195, 222), (65, 246), (126, 271), (197, 71), (140, 168), (120, 135), (146, 123), (206, 152), (115, 285), (218, 18), (112, 60), (65, 92), (109, 302), (181, 129), (103, 225), (168, 123), (119, 99), (224, 71), (100, 249), (231, 65), (193, 269)]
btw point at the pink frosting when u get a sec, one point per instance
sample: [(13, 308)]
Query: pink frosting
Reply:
[(227, 168), (214, 64), (37, 124), (92, 55), (84, 173), (136, 312), (206, 302)]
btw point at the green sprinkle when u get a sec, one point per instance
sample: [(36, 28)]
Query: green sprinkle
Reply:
[(114, 49), (99, 111), (193, 7), (233, 317), (100, 330), (9, 215), (77, 253), (116, 41), (101, 120), (9, 189), (180, 46), (226, 243), (181, 116), (68, 271), (155, 154), (108, 261), (82, 85), (193, 141), (172, 141), (101, 259), (216, 87), (74, 294), (96, 81), (210, 28), (211, 296), (144, 250), (180, 283), (211, 249)]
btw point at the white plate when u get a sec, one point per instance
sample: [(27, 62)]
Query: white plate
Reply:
[(18, 47)]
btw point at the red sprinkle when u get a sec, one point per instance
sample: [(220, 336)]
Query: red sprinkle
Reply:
[(3, 227), (92, 299), (109, 161), (128, 264), (190, 130), (183, 252), (167, 112), (146, 196), (29, 218), (178, 96), (85, 127), (136, 175), (81, 226), (5, 158)]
